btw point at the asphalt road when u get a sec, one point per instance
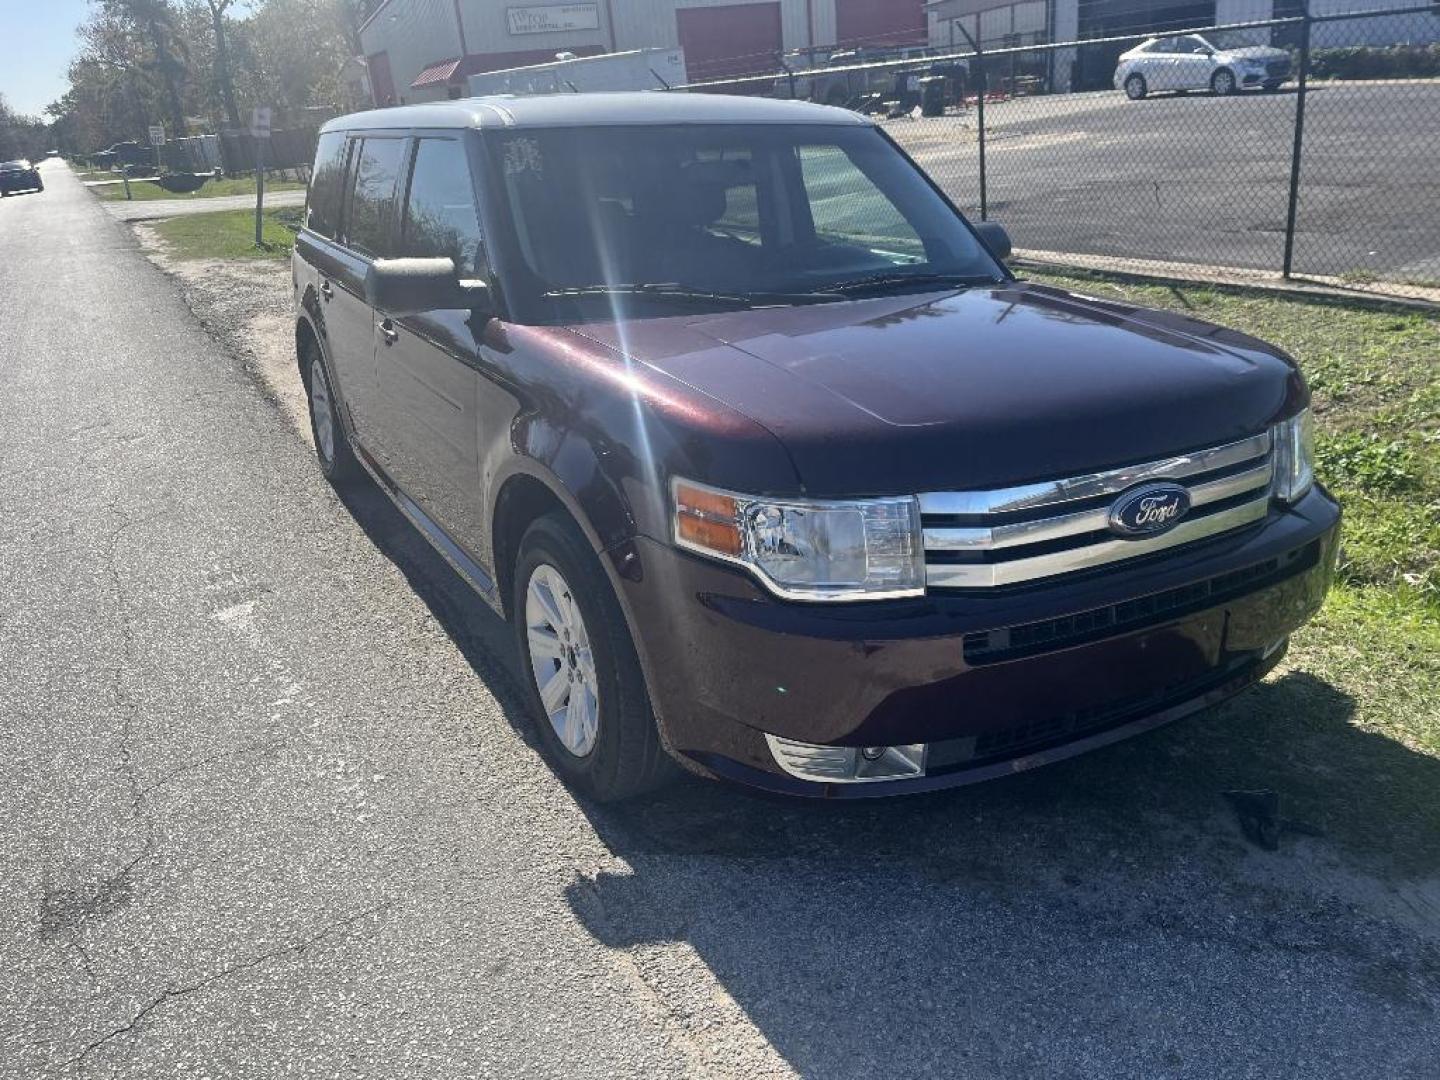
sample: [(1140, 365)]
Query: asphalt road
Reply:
[(268, 806), (1197, 178)]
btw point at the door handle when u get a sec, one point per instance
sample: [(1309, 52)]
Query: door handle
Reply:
[(325, 290), (388, 332)]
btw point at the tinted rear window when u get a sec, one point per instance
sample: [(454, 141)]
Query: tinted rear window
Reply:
[(322, 211), (372, 203)]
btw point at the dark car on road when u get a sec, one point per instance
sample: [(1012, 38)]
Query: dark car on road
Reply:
[(774, 467), (19, 176)]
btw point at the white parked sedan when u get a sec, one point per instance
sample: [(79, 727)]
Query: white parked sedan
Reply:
[(1221, 61)]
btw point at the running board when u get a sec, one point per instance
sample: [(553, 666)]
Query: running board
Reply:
[(470, 571)]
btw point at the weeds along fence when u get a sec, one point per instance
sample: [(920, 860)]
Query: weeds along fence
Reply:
[(1331, 174)]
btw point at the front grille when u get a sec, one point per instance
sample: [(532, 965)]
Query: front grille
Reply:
[(986, 539), (1030, 639)]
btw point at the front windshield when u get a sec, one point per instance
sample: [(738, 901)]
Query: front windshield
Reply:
[(601, 217)]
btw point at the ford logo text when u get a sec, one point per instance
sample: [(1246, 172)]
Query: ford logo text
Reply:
[(1149, 510)]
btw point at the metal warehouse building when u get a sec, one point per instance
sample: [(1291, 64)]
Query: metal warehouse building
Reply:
[(420, 50)]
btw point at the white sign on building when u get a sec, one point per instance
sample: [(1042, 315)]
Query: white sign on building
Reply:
[(553, 18)]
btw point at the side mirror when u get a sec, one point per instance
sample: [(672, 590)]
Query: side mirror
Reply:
[(993, 235), (411, 286)]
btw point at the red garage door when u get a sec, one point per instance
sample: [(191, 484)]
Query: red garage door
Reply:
[(880, 22), (734, 39)]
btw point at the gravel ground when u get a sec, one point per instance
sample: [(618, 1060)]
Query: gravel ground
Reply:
[(271, 808)]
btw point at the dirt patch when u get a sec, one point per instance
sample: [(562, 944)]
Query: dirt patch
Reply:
[(248, 307)]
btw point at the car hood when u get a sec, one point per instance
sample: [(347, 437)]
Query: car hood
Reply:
[(981, 388), (1255, 52)]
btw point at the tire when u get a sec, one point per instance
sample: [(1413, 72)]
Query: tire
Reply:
[(332, 445), (1270, 87), (568, 626), (1135, 88), (1222, 83)]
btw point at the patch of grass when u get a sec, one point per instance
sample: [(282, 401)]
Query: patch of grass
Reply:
[(1349, 730), (144, 190), (230, 234)]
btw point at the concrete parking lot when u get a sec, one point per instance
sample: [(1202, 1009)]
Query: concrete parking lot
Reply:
[(1196, 178), (270, 806)]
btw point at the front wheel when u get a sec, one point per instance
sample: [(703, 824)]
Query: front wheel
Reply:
[(1270, 87), (585, 687), (1135, 87), (1222, 83)]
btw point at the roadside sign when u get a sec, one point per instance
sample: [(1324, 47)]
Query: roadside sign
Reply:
[(157, 135), (260, 131)]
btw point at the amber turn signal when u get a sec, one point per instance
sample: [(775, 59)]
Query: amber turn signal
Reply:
[(707, 519)]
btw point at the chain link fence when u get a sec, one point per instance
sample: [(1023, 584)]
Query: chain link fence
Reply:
[(1307, 147)]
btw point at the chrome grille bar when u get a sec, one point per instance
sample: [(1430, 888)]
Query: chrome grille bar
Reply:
[(1239, 498), (1110, 482), (1055, 528), (989, 575)]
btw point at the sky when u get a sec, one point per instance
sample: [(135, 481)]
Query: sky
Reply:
[(37, 43)]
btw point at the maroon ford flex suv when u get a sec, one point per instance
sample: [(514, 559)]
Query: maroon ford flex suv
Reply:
[(774, 467)]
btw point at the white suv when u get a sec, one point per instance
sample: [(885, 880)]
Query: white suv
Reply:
[(1222, 61)]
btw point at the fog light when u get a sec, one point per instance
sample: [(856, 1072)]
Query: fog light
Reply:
[(847, 764)]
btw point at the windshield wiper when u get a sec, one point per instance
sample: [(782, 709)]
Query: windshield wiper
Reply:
[(888, 280), (673, 291), (648, 290)]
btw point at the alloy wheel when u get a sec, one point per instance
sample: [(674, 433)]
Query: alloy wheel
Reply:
[(561, 661), (321, 413)]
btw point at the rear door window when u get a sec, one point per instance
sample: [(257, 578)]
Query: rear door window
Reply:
[(322, 209), (372, 200), (441, 218)]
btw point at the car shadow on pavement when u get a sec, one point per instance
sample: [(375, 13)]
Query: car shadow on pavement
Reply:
[(1103, 916), (482, 637), (1110, 901)]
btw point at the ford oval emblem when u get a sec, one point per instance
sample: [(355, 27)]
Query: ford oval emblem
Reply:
[(1150, 510)]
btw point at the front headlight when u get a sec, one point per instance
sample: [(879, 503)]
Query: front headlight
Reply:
[(1294, 442), (851, 549)]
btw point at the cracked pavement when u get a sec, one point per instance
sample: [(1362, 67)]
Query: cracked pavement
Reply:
[(268, 806)]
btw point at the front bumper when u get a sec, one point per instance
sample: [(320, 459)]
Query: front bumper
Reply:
[(994, 680)]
